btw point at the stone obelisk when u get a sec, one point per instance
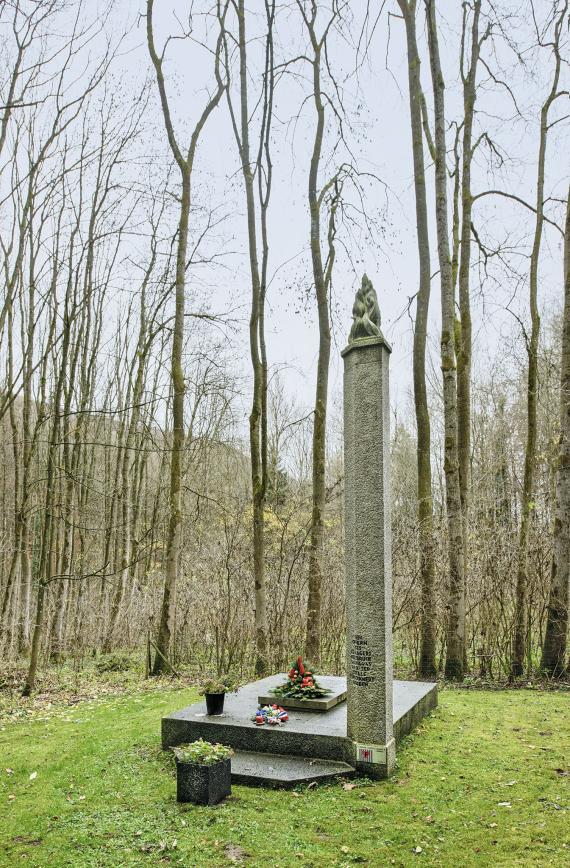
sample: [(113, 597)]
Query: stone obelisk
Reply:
[(368, 539)]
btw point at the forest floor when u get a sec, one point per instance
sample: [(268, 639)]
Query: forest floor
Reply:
[(485, 780)]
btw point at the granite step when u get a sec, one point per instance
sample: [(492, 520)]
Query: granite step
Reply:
[(279, 771)]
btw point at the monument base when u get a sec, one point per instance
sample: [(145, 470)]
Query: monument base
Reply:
[(375, 760), (309, 735)]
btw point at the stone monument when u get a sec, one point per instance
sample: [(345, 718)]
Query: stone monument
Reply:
[(330, 738), (369, 662)]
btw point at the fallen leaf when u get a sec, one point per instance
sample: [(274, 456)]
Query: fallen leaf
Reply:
[(33, 776)]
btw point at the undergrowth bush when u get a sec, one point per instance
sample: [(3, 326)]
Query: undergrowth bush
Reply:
[(113, 663)]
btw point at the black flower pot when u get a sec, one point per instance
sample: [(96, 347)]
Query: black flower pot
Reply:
[(215, 703), (203, 784)]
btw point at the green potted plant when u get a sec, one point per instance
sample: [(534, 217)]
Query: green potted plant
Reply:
[(214, 690), (203, 772)]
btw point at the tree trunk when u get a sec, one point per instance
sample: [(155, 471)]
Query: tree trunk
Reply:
[(427, 665), (185, 164), (520, 636), (554, 648), (464, 332), (314, 602), (257, 418), (174, 533), (454, 664)]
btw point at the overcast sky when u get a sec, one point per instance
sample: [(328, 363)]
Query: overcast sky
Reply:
[(376, 102)]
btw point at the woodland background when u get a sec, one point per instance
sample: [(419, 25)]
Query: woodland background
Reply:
[(165, 487)]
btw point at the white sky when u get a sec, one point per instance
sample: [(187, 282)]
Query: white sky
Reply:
[(377, 107)]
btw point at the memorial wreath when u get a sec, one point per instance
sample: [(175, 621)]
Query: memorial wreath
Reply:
[(300, 684)]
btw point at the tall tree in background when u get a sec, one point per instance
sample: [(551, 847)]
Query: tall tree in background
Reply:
[(185, 162), (455, 628), (520, 637), (423, 449), (260, 170), (554, 648), (322, 274), (469, 60)]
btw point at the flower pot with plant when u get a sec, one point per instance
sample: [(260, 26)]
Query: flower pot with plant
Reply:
[(214, 690), (203, 772)]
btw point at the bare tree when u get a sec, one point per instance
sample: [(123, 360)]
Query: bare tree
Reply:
[(423, 450), (185, 162), (454, 662), (322, 275), (520, 627), (554, 648), (260, 169)]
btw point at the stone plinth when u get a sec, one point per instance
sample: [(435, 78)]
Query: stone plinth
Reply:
[(368, 554), (306, 736), (335, 686), (284, 772)]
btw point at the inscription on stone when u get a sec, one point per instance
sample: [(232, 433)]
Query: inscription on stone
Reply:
[(360, 661)]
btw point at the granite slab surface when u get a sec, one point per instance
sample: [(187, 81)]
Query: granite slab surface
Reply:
[(307, 734), (275, 770)]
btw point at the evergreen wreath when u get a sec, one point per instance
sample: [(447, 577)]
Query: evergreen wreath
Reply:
[(300, 684)]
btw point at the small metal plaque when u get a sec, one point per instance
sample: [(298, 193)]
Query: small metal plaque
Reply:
[(371, 753)]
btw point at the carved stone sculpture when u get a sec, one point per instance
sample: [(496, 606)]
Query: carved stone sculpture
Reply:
[(365, 313)]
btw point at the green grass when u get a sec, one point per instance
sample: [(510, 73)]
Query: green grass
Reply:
[(484, 781)]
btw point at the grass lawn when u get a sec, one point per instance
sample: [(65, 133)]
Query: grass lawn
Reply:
[(484, 781)]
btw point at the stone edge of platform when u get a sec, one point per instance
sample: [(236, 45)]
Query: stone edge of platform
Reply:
[(408, 721), (284, 783)]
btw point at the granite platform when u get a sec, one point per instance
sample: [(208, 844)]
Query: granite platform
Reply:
[(306, 736)]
